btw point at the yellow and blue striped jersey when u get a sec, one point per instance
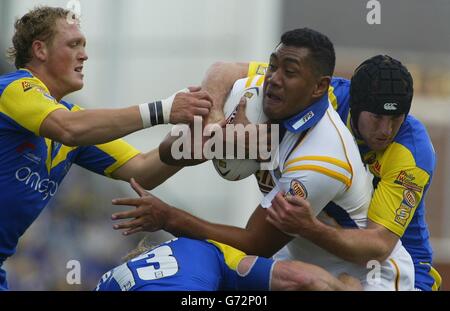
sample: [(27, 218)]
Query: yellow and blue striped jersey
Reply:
[(32, 167)]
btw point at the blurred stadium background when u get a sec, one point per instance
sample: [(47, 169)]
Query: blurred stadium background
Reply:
[(141, 50)]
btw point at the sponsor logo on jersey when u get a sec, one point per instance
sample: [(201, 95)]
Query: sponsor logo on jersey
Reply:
[(303, 120), (298, 189), (248, 95), (406, 180), (409, 197), (402, 214), (28, 155), (34, 180), (26, 86), (261, 70), (390, 106), (24, 146)]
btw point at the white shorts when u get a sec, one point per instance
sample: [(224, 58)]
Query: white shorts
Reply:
[(394, 274)]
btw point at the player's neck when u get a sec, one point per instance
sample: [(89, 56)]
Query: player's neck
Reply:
[(51, 83)]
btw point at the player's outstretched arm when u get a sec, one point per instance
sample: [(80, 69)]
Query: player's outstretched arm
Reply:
[(151, 214), (293, 215), (147, 169), (300, 276), (97, 126)]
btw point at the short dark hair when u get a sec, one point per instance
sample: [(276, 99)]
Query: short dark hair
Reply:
[(38, 24), (320, 47)]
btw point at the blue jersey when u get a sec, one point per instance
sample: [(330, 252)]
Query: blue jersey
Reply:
[(402, 176), (31, 166), (184, 264)]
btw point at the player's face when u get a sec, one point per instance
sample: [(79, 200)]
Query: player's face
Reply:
[(66, 55), (289, 83), (378, 131)]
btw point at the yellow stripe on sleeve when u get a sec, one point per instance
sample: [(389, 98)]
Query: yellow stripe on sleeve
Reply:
[(330, 173), (331, 160), (256, 68), (249, 81), (121, 151), (232, 255), (28, 108), (260, 81)]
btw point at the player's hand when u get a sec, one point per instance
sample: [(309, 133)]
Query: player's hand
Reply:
[(187, 105), (292, 215), (262, 134), (149, 215), (241, 117), (215, 115)]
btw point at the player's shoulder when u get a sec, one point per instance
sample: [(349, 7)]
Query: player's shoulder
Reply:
[(20, 80), (413, 146), (324, 149), (331, 134), (251, 82)]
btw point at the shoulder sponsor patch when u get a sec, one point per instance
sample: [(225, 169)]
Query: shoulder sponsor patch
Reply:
[(402, 214), (298, 189), (409, 197), (29, 85), (261, 70), (248, 95), (407, 180), (26, 86)]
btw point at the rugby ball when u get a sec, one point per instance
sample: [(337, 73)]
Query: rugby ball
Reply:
[(237, 169)]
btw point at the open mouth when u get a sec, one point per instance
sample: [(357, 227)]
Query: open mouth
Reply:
[(273, 97), (79, 69)]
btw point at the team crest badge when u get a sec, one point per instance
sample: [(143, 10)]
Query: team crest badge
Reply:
[(298, 189)]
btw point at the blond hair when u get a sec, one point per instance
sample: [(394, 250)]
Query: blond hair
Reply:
[(38, 24), (143, 246)]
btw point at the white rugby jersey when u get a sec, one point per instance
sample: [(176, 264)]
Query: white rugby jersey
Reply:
[(320, 161)]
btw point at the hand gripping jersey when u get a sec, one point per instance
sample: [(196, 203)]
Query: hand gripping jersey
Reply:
[(402, 176), (32, 167), (184, 264), (320, 161)]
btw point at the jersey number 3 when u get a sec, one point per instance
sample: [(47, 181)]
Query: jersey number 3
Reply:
[(160, 263)]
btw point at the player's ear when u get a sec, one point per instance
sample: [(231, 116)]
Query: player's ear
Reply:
[(39, 50), (321, 87)]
